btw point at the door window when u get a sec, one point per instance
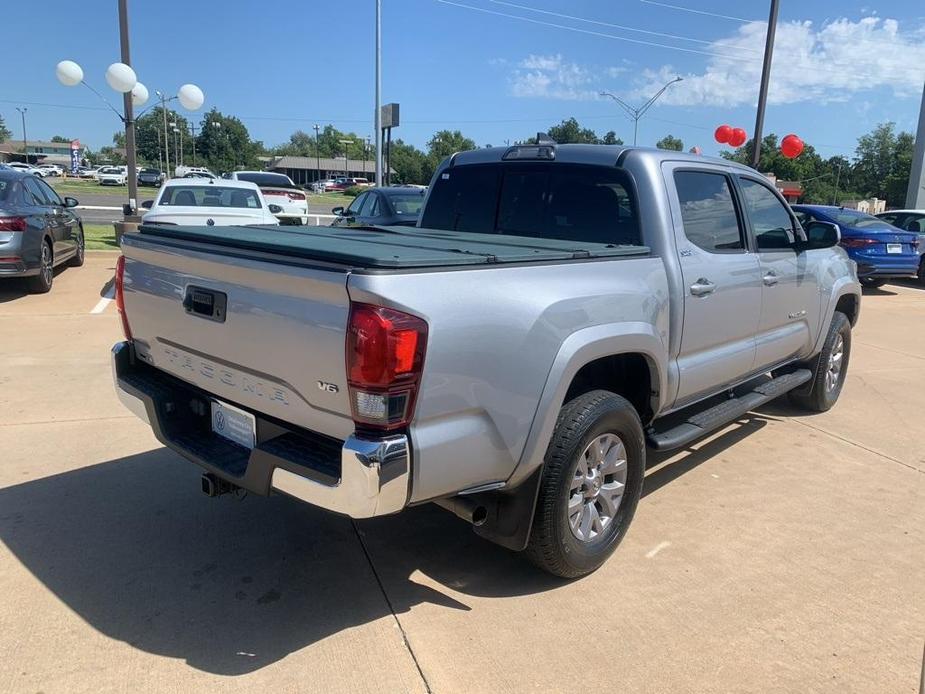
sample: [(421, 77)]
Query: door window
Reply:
[(770, 220), (34, 193), (354, 209), (708, 212), (370, 205), (51, 194)]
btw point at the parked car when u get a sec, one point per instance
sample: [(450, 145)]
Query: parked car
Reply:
[(182, 171), (278, 189), (200, 174), (195, 202), (89, 171), (345, 183), (382, 207), (509, 359), (150, 177), (27, 168), (38, 230), (111, 176), (909, 220), (50, 169), (323, 185), (881, 251)]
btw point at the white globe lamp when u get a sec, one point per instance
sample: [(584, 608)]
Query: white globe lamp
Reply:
[(191, 97), (121, 77), (139, 95), (69, 73)]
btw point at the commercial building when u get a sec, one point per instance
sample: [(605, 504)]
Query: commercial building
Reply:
[(307, 170), (38, 152)]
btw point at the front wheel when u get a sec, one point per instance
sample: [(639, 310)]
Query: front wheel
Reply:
[(591, 484), (830, 369), (871, 282)]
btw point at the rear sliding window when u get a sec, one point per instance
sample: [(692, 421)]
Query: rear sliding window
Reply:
[(555, 201), (209, 196)]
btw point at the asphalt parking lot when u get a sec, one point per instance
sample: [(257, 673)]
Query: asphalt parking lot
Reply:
[(785, 554)]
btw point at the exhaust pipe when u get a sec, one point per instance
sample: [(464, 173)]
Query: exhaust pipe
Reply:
[(466, 509)]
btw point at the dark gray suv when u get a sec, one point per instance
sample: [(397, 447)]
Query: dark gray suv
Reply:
[(38, 230)]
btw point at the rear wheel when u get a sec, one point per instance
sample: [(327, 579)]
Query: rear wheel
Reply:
[(921, 273), (830, 369), (872, 282), (592, 480), (41, 283), (78, 258)]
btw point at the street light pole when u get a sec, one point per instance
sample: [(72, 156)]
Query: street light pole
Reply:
[(25, 146), (166, 136), (346, 144), (765, 78), (128, 114), (637, 113), (317, 154), (378, 116)]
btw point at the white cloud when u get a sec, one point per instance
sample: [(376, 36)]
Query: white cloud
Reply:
[(832, 63), (552, 77)]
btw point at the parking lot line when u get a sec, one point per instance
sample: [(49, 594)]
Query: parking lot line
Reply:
[(104, 302)]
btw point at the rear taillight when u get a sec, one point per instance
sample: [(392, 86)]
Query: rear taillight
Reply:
[(120, 296), (13, 223), (385, 358), (858, 243), (275, 192), (294, 195)]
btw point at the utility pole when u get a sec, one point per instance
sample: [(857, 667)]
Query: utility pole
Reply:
[(637, 113), (129, 115), (346, 144), (915, 194), (378, 117), (837, 179), (192, 127), (765, 78), (317, 153), (25, 146), (166, 136)]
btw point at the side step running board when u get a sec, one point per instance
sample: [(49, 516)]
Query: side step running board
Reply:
[(705, 421)]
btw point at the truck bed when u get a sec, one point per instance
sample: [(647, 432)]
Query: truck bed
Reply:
[(390, 247)]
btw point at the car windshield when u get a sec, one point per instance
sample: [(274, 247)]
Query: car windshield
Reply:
[(859, 220), (266, 179), (110, 171), (209, 196), (407, 204), (150, 171)]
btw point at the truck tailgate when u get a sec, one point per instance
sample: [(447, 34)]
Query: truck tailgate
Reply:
[(276, 346)]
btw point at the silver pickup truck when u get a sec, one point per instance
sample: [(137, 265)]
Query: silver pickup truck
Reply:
[(558, 310)]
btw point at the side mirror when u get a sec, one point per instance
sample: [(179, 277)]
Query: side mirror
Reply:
[(274, 209), (70, 202), (820, 235), (339, 211), (147, 204)]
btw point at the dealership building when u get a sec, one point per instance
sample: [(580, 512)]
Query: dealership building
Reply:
[(306, 170)]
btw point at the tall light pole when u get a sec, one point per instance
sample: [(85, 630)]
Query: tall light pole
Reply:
[(317, 153), (365, 155), (378, 116), (129, 116), (765, 78), (25, 146), (637, 113), (346, 144)]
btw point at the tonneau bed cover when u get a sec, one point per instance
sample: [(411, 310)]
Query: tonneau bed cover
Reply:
[(390, 247)]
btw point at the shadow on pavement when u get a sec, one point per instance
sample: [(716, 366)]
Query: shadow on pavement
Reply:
[(230, 586), (13, 288)]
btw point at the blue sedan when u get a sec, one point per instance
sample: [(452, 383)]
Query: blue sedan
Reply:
[(881, 251)]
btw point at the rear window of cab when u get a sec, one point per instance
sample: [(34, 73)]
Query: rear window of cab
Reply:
[(209, 196)]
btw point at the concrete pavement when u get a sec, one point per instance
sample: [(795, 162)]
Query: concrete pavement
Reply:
[(784, 554)]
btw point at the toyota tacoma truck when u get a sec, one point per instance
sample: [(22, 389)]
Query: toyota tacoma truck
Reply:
[(559, 310)]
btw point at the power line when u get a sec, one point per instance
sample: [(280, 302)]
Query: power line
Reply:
[(703, 12), (615, 26)]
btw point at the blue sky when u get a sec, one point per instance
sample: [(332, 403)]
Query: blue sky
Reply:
[(495, 70)]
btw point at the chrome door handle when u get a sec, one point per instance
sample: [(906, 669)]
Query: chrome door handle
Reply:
[(770, 279), (702, 287)]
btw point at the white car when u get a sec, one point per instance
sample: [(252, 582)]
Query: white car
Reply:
[(278, 189), (26, 168), (204, 202), (50, 169), (111, 176)]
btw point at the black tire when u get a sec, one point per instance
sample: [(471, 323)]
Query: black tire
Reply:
[(817, 396), (554, 546), (921, 274), (871, 282), (41, 283), (78, 259)]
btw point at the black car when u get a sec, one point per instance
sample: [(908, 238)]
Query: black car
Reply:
[(393, 206), (150, 177), (38, 230)]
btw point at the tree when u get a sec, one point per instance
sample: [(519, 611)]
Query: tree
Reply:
[(670, 142), (570, 131), (410, 163), (60, 138), (5, 133), (443, 144), (224, 143), (149, 136), (611, 139)]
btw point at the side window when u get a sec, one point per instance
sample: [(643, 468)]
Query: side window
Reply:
[(708, 212), (354, 209), (369, 204), (51, 194), (770, 220), (34, 193)]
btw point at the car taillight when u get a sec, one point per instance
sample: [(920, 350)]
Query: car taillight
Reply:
[(120, 296), (858, 243), (275, 192), (385, 358), (293, 195), (12, 223)]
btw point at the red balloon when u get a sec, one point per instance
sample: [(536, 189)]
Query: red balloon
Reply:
[(723, 133), (738, 137), (791, 146)]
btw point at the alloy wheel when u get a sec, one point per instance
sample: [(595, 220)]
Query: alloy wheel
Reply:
[(597, 487), (833, 369)]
